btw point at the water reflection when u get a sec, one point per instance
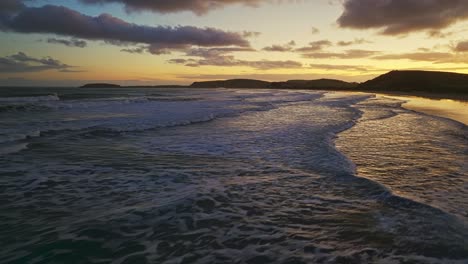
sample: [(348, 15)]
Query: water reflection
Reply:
[(449, 108)]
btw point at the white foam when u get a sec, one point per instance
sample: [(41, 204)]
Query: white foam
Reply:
[(29, 99)]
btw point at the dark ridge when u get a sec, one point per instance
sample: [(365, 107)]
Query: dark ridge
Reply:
[(157, 86), (234, 83), (394, 81), (100, 85), (292, 84), (418, 81)]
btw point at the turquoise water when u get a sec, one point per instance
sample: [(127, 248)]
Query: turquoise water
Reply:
[(228, 176)]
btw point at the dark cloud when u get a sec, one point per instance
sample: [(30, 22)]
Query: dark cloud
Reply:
[(215, 52), (462, 46), (251, 34), (352, 42), (179, 61), (169, 6), (348, 54), (395, 17), (137, 50), (439, 34), (21, 62), (7, 9), (281, 48), (66, 22), (315, 46), (10, 6), (68, 42)]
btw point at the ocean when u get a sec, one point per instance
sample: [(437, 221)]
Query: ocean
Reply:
[(228, 176)]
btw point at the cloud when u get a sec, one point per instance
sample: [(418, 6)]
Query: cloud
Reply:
[(198, 7), (416, 56), (348, 54), (7, 9), (231, 61), (357, 41), (394, 17), (439, 34), (20, 63), (427, 56), (281, 48), (10, 6), (334, 67), (136, 50), (222, 57), (159, 39), (251, 34), (315, 46), (461, 46), (68, 42), (215, 52), (179, 61)]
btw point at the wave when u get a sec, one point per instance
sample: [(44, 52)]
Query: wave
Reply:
[(16, 137), (23, 108), (113, 124), (378, 109), (29, 99), (13, 147), (13, 143), (44, 103)]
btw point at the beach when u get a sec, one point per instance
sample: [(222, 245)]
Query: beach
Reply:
[(438, 105)]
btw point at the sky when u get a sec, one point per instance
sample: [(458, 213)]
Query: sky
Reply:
[(154, 42)]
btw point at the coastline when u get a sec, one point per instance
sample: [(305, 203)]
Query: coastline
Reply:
[(441, 105)]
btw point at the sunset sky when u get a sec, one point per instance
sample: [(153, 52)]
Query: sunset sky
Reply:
[(67, 43)]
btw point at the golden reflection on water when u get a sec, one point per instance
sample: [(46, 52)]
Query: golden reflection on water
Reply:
[(448, 108)]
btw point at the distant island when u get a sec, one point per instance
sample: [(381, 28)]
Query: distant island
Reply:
[(100, 85), (394, 81)]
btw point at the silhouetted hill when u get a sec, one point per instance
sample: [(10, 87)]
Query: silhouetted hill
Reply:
[(292, 84), (100, 85), (418, 81), (158, 86), (315, 84), (394, 81), (234, 83)]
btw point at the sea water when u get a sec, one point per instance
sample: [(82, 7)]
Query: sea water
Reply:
[(228, 176)]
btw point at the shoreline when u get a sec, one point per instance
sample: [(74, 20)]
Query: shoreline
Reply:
[(435, 96), (440, 105)]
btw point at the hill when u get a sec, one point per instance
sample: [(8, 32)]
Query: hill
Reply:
[(315, 84), (100, 85), (291, 84), (418, 81), (394, 81)]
